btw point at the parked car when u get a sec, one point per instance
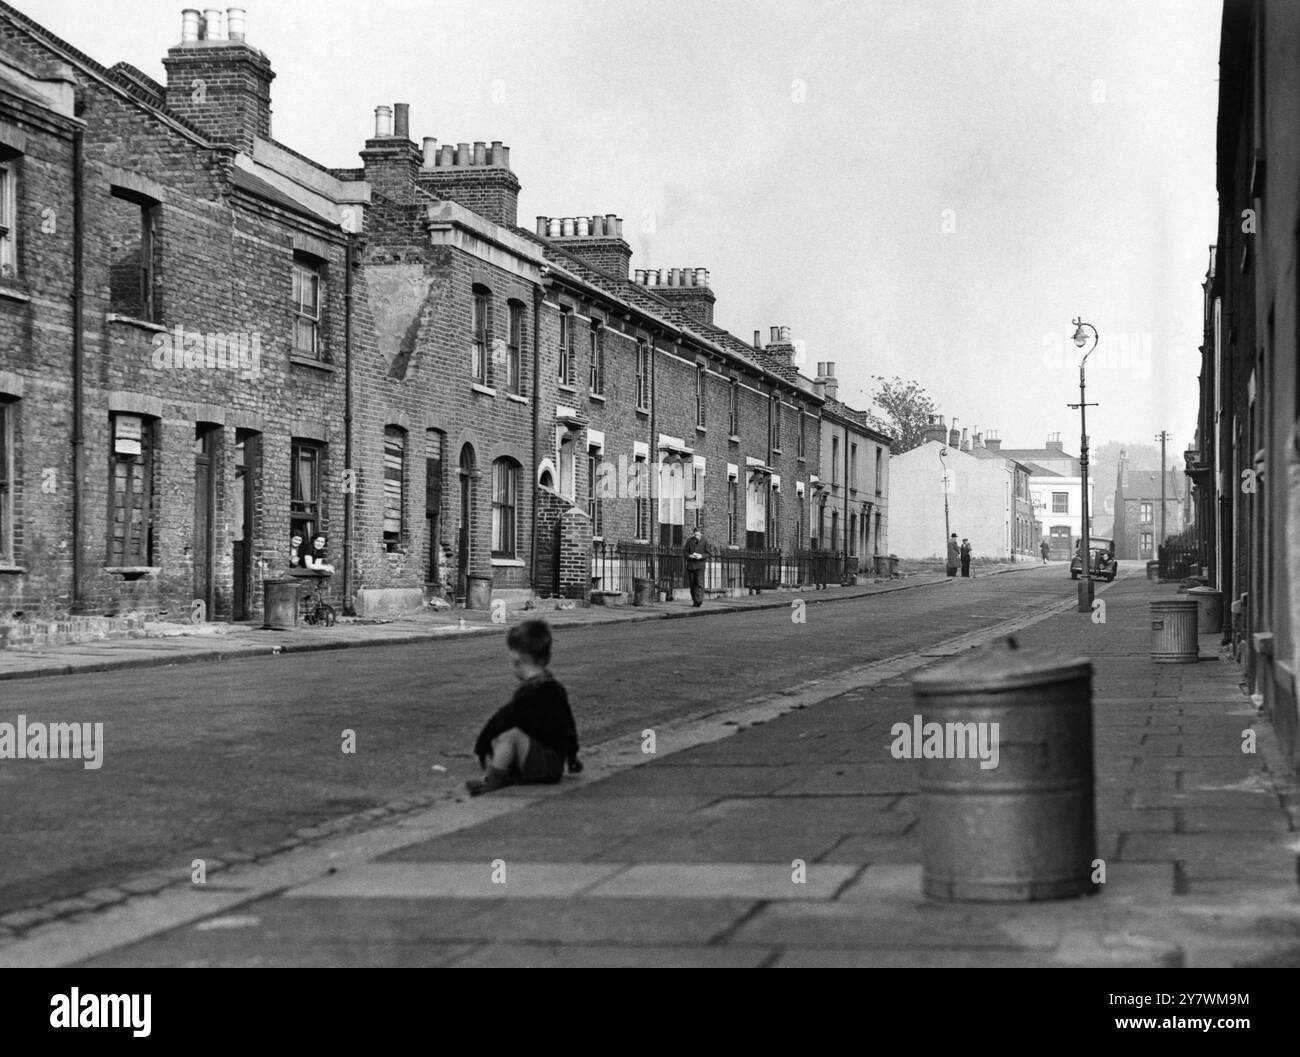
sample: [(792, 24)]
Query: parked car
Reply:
[(1102, 564)]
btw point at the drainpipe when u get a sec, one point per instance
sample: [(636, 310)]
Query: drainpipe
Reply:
[(655, 478), (847, 486), (537, 402), (78, 359), (349, 496)]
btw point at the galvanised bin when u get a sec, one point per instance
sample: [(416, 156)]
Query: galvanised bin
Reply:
[(1209, 602), (643, 591), (1024, 829), (280, 602), (1173, 631)]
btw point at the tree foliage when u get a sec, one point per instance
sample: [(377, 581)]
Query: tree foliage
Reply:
[(908, 408)]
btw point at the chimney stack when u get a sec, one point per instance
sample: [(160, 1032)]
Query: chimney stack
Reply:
[(688, 289), (935, 430), (992, 441), (825, 374), (1054, 442), (217, 82)]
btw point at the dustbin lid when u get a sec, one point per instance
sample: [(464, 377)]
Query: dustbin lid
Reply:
[(1000, 666), (1202, 591)]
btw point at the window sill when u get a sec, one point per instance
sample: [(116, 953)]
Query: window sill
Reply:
[(517, 398), (734, 438), (132, 321), (564, 387), (133, 572), (600, 397), (803, 458), (17, 570), (644, 412), (701, 429), (12, 293), (507, 563), (478, 387), (298, 360)]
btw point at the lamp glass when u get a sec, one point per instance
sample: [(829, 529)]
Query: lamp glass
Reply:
[(1080, 338)]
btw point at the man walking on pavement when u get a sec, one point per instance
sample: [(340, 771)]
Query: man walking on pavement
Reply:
[(954, 554), (696, 551), (1044, 550), (965, 556)]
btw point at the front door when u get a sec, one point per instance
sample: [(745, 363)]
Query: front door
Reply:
[(205, 482), (1059, 541), (241, 521)]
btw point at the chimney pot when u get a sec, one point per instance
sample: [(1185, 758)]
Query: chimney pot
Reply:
[(542, 224), (235, 23), (505, 157), (212, 24), (584, 227), (567, 228), (776, 333), (758, 339), (555, 228), (190, 25), (447, 156), (598, 226), (462, 154), (494, 155), (402, 120), (785, 338), (611, 225), (430, 152), (383, 122), (480, 153), (701, 277), (618, 227)]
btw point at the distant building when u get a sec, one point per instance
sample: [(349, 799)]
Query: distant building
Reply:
[(988, 498), (1056, 494), (1138, 530)]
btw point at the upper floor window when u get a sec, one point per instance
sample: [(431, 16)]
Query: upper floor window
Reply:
[(853, 466), (394, 486), (803, 448), (1145, 513), (308, 283), (514, 382), (596, 341), (566, 347), (1060, 502), (478, 336), (733, 409), (643, 375), (774, 417), (835, 460), (699, 394), (132, 221), (8, 216), (879, 468)]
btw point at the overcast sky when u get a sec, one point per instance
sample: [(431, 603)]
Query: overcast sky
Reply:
[(929, 188)]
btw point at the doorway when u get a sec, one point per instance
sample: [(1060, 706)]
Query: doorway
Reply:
[(206, 437), (467, 473), (247, 460)]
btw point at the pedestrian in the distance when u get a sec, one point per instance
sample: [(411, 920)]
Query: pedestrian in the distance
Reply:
[(530, 739), (696, 551), (1044, 550), (954, 555), (965, 557)]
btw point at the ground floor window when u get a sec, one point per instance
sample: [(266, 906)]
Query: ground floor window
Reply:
[(130, 491), (305, 514)]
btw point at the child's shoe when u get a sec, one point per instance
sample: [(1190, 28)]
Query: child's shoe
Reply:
[(494, 779)]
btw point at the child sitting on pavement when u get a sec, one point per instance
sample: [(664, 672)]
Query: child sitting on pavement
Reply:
[(529, 739)]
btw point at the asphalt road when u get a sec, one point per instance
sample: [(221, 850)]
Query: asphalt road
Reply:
[(204, 759)]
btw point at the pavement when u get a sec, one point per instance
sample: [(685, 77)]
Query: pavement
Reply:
[(781, 833), (164, 644)]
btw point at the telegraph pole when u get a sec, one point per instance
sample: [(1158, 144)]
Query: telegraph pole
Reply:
[(1162, 437)]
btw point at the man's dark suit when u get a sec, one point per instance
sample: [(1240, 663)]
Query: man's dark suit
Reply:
[(695, 567)]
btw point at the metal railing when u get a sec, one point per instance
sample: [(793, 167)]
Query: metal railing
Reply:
[(1179, 558), (617, 565)]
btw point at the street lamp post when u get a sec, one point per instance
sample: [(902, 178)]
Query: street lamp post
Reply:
[(1085, 575), (943, 454)]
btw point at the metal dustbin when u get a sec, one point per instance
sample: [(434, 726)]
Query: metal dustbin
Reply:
[(1173, 631), (643, 591), (280, 603), (480, 593), (1007, 799), (1153, 570), (1209, 604)]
